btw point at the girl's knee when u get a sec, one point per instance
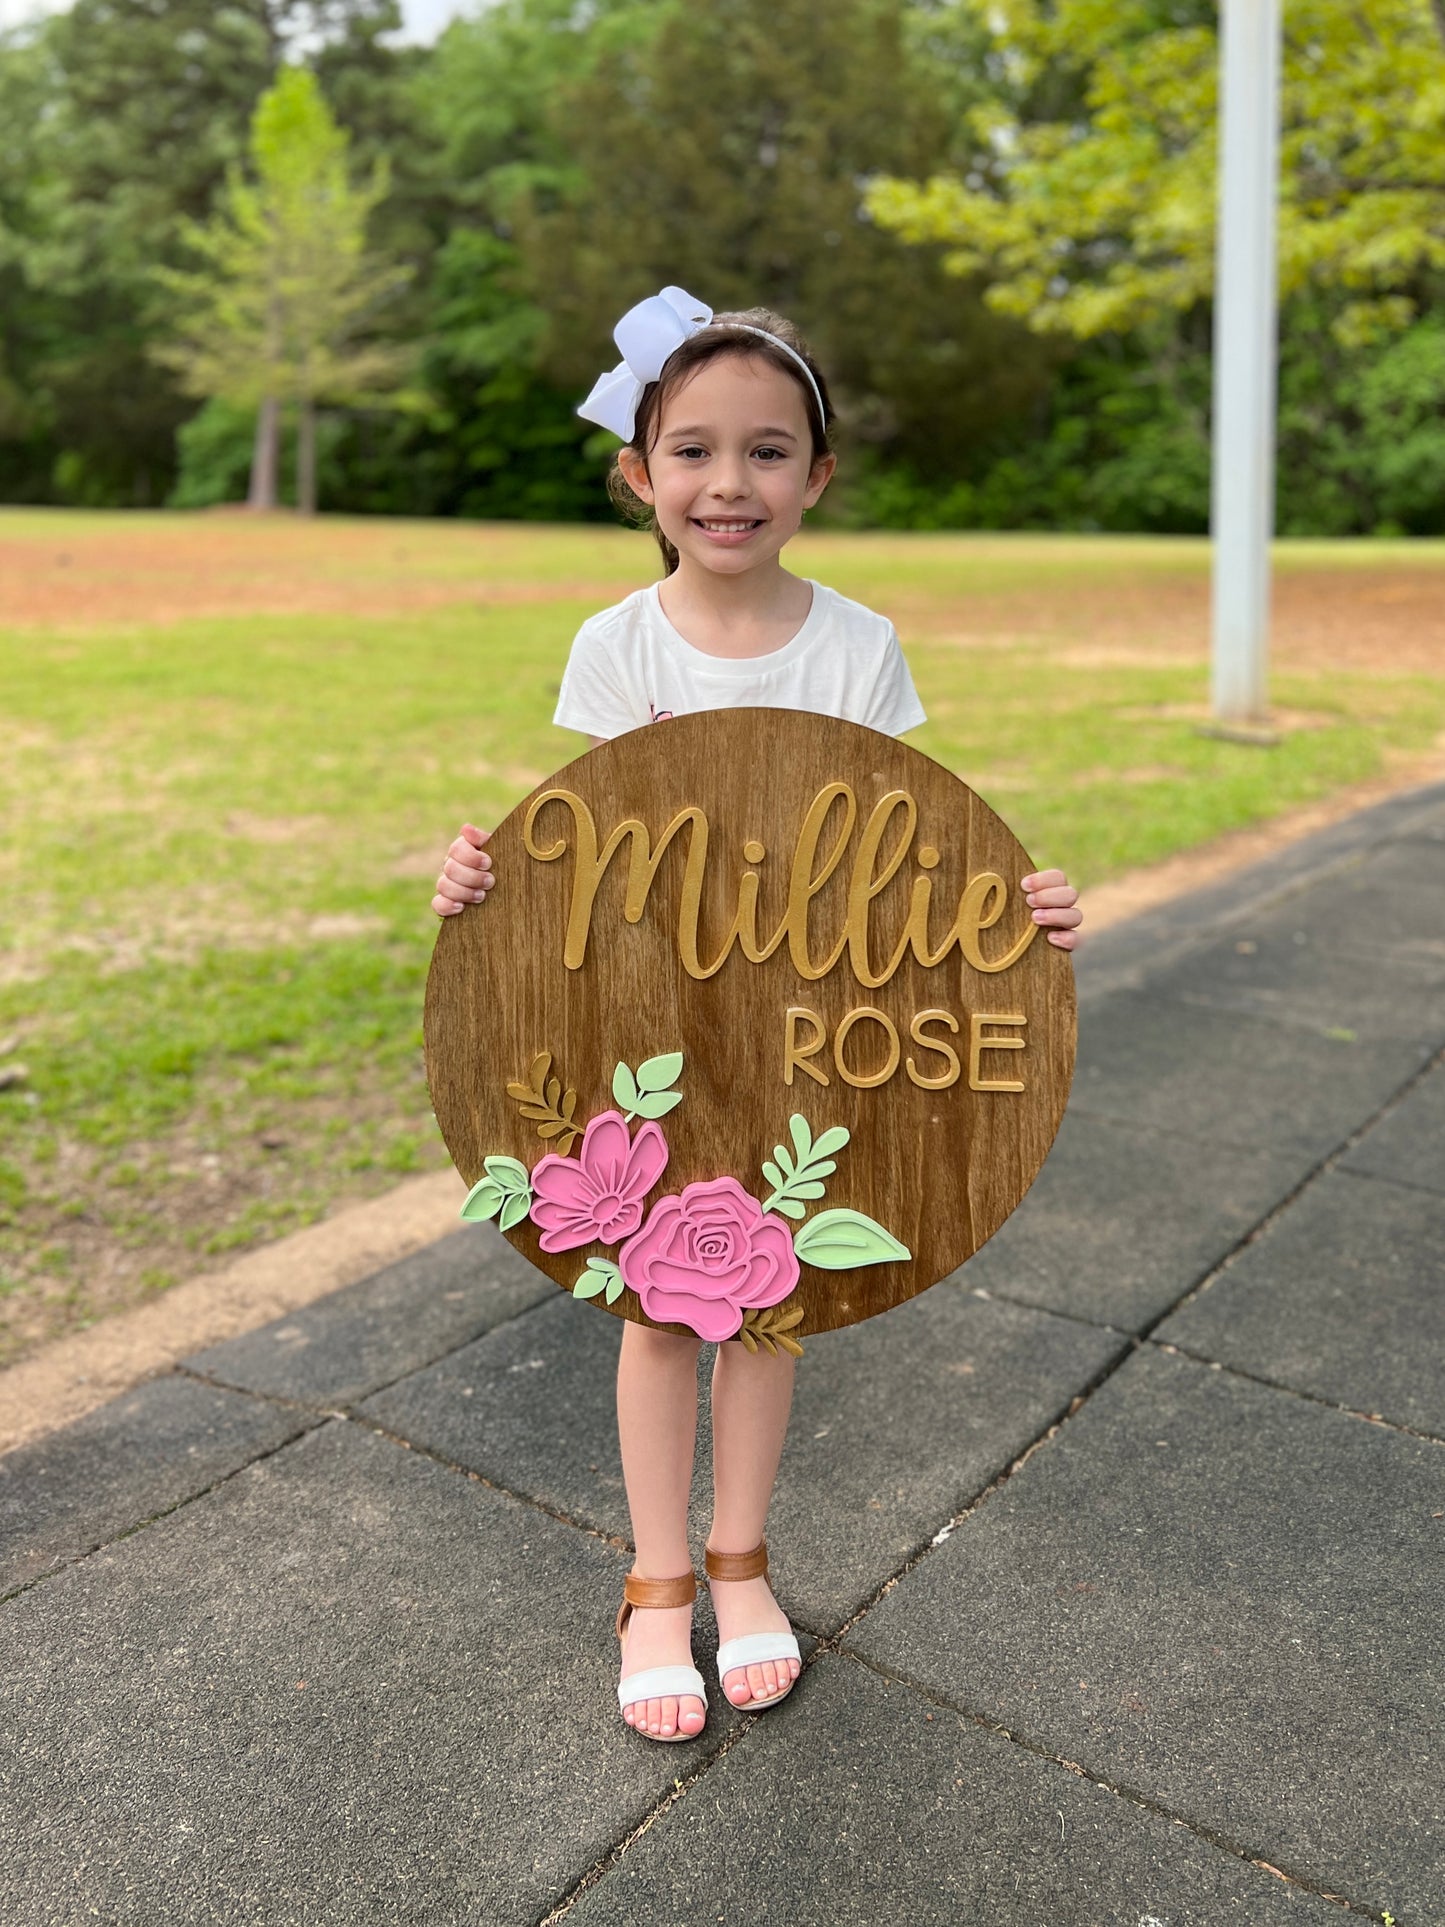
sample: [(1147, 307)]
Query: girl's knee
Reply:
[(662, 1346)]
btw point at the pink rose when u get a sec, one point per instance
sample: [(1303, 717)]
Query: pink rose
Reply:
[(705, 1258), (598, 1194)]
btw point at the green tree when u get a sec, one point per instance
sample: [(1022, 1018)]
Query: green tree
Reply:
[(727, 152), (281, 310), (1090, 197)]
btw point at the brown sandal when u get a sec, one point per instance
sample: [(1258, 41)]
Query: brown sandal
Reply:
[(752, 1649), (658, 1682)]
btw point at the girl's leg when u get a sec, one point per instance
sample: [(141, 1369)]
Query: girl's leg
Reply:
[(752, 1393), (657, 1428)]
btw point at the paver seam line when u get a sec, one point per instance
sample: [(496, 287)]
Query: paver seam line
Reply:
[(1329, 1163), (382, 1385), (1220, 1842), (1139, 972), (1272, 894), (1172, 1131), (398, 1439), (832, 1643), (1122, 1790), (317, 1417), (352, 1416), (1175, 1350), (1170, 1347), (316, 1421), (601, 1867)]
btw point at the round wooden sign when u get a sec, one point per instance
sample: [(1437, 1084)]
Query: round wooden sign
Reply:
[(754, 1035)]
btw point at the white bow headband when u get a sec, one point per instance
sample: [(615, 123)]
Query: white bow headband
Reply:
[(647, 335)]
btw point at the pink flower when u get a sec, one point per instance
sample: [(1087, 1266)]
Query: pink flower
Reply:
[(598, 1194), (705, 1258)]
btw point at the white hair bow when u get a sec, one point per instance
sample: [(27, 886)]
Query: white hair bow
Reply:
[(647, 335)]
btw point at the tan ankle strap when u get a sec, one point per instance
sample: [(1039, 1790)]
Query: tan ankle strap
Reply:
[(737, 1565), (660, 1592), (654, 1592)]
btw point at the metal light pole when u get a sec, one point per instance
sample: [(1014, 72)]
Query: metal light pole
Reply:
[(1245, 340)]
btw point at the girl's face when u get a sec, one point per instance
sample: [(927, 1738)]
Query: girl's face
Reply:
[(731, 469)]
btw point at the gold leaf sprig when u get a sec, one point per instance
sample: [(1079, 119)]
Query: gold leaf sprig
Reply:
[(772, 1328), (538, 1100)]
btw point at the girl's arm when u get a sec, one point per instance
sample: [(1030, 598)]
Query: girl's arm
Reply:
[(466, 876)]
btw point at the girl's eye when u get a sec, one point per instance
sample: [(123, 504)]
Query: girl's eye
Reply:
[(694, 450), (772, 454)]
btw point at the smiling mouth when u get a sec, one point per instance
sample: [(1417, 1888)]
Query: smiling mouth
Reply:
[(722, 527)]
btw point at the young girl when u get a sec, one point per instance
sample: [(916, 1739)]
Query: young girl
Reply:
[(725, 420)]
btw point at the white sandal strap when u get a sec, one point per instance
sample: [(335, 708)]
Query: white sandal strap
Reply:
[(660, 1683), (753, 1648)]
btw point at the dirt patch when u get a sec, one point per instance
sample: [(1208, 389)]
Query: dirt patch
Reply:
[(1141, 605), (161, 569), (1390, 620)]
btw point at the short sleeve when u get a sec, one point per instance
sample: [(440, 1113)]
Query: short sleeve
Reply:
[(894, 705), (593, 697)]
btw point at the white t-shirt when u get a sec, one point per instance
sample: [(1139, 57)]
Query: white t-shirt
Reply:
[(629, 666)]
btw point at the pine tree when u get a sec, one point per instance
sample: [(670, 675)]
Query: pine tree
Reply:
[(278, 312)]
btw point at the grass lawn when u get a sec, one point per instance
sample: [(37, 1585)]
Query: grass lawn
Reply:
[(234, 752)]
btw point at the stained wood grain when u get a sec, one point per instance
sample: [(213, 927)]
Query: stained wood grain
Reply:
[(941, 1169)]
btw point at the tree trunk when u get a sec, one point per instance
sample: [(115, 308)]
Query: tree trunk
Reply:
[(306, 458), (263, 458)]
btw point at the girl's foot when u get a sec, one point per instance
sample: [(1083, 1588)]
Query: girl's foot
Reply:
[(745, 1606), (660, 1636)]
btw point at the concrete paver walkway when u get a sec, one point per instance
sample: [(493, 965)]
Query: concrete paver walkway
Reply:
[(1116, 1559)]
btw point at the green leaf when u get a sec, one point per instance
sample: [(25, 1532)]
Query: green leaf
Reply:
[(842, 1240), (624, 1088), (802, 1136), (660, 1072), (817, 1170), (831, 1141), (773, 1175), (780, 1153), (508, 1175), (614, 1289), (589, 1285), (790, 1207), (808, 1190), (604, 1265), (658, 1105), (483, 1201), (515, 1209)]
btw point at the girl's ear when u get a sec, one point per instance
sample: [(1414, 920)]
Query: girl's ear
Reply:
[(819, 476), (632, 465)]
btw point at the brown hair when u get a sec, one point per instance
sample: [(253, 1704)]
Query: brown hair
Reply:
[(722, 336)]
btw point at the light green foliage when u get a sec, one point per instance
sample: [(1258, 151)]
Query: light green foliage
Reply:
[(601, 1275), (505, 1194), (1090, 199), (648, 1094), (288, 290), (797, 1180), (842, 1240)]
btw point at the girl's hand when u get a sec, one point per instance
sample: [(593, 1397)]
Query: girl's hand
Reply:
[(1051, 898), (466, 876)]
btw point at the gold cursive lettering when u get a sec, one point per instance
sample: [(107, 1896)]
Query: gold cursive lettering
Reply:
[(980, 906)]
